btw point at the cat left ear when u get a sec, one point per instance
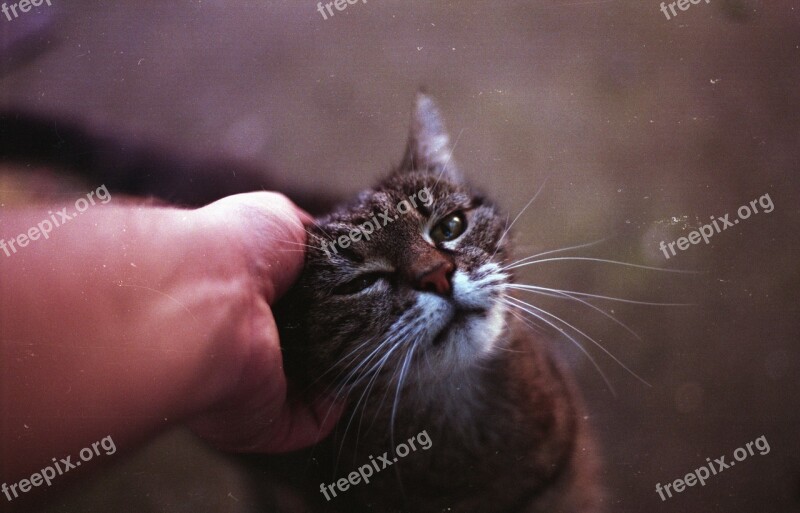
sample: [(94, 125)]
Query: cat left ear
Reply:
[(428, 146)]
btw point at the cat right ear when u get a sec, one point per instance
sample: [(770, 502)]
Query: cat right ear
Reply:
[(428, 146)]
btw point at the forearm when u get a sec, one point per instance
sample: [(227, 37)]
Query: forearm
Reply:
[(83, 348)]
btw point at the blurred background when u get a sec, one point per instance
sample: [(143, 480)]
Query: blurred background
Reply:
[(642, 128)]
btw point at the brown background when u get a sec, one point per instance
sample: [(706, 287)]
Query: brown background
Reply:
[(633, 119)]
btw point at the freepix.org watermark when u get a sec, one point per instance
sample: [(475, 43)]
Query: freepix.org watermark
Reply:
[(718, 225), (366, 229), (340, 5), (701, 474), (23, 5), (365, 471), (56, 219), (58, 468), (683, 5)]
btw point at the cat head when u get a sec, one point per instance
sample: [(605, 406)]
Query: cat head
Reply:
[(408, 277)]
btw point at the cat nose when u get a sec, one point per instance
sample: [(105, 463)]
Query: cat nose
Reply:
[(436, 279)]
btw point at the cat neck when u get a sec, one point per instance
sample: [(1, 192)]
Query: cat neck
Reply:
[(498, 402), (508, 422)]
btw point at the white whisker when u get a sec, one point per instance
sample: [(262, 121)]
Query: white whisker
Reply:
[(572, 339), (587, 337), (449, 158), (503, 236), (550, 252), (606, 261), (596, 296), (560, 294)]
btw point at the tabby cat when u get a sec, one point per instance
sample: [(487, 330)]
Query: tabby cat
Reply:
[(414, 327)]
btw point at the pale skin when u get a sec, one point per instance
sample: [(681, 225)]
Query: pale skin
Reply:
[(130, 319)]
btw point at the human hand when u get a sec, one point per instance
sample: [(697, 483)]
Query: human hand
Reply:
[(256, 413), (134, 318)]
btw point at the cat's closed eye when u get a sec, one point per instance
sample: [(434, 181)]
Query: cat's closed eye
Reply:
[(449, 228), (358, 283)]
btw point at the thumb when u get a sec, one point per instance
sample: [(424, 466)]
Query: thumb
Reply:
[(301, 425)]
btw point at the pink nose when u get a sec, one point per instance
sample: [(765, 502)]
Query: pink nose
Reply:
[(437, 279)]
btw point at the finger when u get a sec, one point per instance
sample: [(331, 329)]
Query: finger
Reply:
[(271, 231), (302, 425)]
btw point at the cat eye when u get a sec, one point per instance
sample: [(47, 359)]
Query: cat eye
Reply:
[(449, 228), (357, 284)]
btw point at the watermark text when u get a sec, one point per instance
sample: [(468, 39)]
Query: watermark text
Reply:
[(371, 226), (58, 468), (340, 5), (718, 225), (56, 219), (712, 468), (23, 6), (384, 461), (683, 5)]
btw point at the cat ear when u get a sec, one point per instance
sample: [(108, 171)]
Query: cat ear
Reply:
[(428, 142)]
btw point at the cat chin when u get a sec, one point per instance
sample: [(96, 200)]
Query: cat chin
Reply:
[(476, 336), (468, 337)]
